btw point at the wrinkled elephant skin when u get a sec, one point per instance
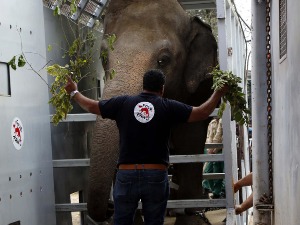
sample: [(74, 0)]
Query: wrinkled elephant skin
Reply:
[(153, 34)]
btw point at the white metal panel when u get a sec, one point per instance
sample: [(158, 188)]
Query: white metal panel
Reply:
[(286, 116), (26, 178)]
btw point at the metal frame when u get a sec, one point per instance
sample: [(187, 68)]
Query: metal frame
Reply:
[(230, 41), (8, 81), (259, 112)]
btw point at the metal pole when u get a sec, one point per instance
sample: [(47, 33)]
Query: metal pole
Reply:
[(259, 112)]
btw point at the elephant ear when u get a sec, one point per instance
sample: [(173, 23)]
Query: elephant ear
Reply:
[(201, 55)]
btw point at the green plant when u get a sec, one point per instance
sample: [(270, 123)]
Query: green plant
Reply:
[(110, 40), (234, 95), (80, 54), (21, 62), (59, 3)]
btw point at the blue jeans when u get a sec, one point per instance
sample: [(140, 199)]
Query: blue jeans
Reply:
[(149, 186)]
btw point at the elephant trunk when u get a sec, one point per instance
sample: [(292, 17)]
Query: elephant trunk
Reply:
[(102, 167)]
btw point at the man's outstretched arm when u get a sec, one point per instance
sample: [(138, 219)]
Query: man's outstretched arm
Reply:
[(87, 104), (203, 111)]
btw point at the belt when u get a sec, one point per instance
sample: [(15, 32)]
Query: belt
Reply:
[(142, 167)]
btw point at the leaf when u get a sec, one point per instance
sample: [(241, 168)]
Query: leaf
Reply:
[(111, 40), (234, 96), (73, 8), (112, 74), (56, 11), (12, 63), (49, 48), (21, 61)]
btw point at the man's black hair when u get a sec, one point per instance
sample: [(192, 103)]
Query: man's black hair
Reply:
[(154, 80)]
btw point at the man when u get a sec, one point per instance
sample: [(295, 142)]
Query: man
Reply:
[(214, 135), (144, 123)]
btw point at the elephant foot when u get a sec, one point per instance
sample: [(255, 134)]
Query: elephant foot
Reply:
[(192, 220)]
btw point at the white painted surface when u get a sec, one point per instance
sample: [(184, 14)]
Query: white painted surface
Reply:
[(26, 175), (286, 115)]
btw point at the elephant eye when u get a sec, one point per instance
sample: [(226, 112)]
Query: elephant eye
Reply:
[(163, 60)]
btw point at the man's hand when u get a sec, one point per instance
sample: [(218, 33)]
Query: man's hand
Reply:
[(239, 209), (87, 104), (203, 111), (223, 90), (70, 86)]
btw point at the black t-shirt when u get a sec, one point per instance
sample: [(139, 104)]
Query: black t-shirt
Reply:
[(144, 123)]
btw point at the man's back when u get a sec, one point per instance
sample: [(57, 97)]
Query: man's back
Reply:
[(144, 123)]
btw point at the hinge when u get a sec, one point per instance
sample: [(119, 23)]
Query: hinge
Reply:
[(264, 207)]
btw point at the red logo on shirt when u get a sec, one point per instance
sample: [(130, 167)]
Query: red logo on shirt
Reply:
[(144, 112)]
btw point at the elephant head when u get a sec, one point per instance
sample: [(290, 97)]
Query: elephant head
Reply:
[(149, 34)]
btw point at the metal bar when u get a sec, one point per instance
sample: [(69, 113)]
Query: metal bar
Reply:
[(81, 117), (194, 203), (230, 217), (214, 113), (212, 176), (259, 112), (196, 158), (230, 156), (71, 207), (213, 145), (62, 163), (172, 204)]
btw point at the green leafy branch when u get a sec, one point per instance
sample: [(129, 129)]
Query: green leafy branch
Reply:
[(110, 40), (21, 60), (80, 54), (234, 95), (59, 4)]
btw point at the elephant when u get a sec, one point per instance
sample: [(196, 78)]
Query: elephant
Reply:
[(152, 34)]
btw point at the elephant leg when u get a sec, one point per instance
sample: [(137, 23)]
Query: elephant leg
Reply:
[(189, 139), (104, 155)]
